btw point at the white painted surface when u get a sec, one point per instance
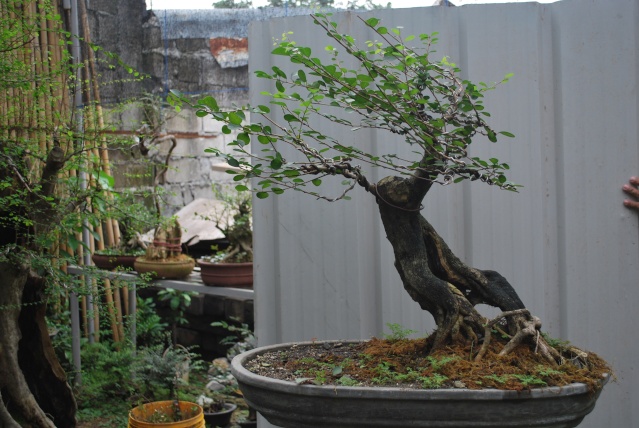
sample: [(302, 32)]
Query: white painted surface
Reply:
[(565, 241)]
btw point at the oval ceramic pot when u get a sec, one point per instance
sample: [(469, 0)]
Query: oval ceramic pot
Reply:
[(139, 416), (238, 275), (287, 404), (110, 262), (169, 269), (222, 418)]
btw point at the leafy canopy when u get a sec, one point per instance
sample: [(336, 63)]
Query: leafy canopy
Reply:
[(393, 88)]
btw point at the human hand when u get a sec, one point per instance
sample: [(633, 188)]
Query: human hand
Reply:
[(632, 189)]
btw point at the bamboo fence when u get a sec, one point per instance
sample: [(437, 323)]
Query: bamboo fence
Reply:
[(39, 113)]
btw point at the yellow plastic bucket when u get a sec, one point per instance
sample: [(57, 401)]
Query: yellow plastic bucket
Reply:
[(193, 413)]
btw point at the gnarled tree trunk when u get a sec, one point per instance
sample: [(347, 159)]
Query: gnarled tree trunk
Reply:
[(33, 385), (32, 381), (441, 283)]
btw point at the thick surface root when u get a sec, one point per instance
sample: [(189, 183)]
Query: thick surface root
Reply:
[(528, 332)]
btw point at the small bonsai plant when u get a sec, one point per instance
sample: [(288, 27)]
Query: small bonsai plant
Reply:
[(238, 232), (217, 412), (163, 257), (234, 265), (131, 217)]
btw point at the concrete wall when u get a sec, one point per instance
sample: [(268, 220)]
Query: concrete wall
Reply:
[(197, 52), (565, 241), (174, 53)]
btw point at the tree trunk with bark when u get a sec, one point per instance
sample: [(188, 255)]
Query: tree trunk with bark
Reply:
[(441, 283), (33, 385)]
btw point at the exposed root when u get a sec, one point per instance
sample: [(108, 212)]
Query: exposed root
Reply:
[(527, 329)]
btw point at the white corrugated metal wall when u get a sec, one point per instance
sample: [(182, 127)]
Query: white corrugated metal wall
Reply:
[(565, 241)]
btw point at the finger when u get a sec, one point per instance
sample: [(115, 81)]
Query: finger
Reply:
[(631, 204), (634, 181), (632, 191)]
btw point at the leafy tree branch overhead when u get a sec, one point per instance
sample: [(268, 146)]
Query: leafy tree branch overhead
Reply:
[(396, 88)]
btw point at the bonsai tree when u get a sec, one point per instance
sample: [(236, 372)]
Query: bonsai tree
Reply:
[(401, 90), (163, 257), (132, 217), (239, 232), (167, 241)]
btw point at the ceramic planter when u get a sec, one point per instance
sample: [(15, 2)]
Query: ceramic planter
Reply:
[(238, 275), (168, 268), (111, 262), (222, 418), (140, 415), (288, 404)]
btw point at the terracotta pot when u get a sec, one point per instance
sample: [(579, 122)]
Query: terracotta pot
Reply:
[(111, 262), (139, 415), (287, 404), (169, 269), (222, 418), (238, 275)]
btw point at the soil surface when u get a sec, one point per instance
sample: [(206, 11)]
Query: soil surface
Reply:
[(407, 363)]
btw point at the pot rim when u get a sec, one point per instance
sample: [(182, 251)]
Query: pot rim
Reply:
[(228, 408), (143, 260), (201, 262), (243, 375)]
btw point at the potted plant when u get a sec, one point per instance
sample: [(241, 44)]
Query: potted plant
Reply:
[(159, 373), (132, 217), (122, 256), (232, 267), (401, 90), (163, 257), (217, 412)]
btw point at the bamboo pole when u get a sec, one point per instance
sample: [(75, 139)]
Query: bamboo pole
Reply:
[(112, 227)]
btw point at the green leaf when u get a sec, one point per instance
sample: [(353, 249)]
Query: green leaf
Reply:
[(279, 86), (277, 162), (244, 138), (261, 195), (241, 188), (306, 51), (316, 182), (235, 118), (372, 22), (209, 102), (263, 139), (291, 173), (106, 181), (507, 134), (279, 72)]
